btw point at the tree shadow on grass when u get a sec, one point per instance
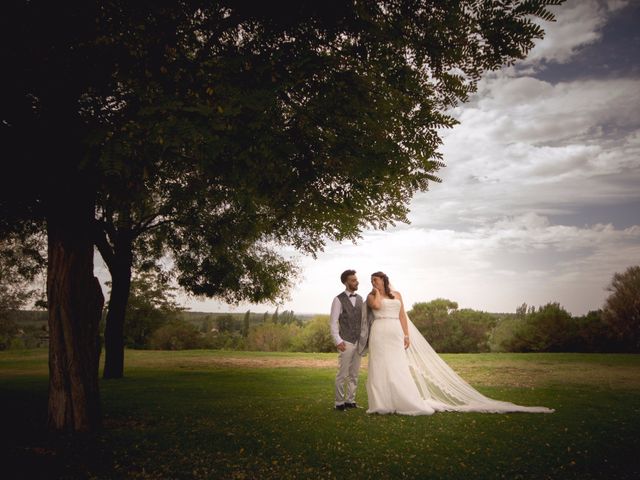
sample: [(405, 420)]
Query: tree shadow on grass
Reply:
[(31, 451)]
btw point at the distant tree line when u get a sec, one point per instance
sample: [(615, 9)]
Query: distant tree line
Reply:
[(549, 328), (155, 321)]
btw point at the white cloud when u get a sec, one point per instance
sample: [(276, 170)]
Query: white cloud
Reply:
[(578, 23), (512, 109), (524, 144)]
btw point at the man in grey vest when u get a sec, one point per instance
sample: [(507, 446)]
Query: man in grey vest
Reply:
[(347, 314)]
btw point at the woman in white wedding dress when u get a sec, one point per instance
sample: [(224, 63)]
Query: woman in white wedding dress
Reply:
[(406, 375)]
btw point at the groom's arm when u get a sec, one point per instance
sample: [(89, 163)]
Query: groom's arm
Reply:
[(336, 308)]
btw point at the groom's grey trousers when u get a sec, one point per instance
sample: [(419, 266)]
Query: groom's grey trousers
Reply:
[(348, 365)]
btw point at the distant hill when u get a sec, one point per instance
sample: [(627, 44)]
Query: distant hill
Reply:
[(197, 318), (39, 317)]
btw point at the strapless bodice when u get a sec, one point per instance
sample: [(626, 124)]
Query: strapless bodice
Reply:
[(390, 308)]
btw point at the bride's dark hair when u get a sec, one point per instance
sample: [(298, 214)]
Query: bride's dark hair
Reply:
[(385, 281)]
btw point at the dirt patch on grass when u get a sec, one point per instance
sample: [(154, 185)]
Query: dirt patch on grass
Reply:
[(260, 362), (482, 370), (519, 374), (528, 374)]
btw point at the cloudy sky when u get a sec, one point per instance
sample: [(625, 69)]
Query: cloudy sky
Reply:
[(540, 199)]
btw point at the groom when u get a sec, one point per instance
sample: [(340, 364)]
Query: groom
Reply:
[(348, 317)]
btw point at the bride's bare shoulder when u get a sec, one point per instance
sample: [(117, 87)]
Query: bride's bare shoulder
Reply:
[(397, 294)]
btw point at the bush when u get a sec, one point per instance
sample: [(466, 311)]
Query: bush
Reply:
[(272, 337), (224, 341), (140, 326), (450, 330), (315, 336), (471, 330), (151, 305), (550, 329), (8, 331), (593, 334), (502, 334), (177, 335), (225, 323)]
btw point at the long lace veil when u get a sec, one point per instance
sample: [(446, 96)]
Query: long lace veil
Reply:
[(439, 383)]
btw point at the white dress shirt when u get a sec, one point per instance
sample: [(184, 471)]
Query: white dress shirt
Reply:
[(336, 310)]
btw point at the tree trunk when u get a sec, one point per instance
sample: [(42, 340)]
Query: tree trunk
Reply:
[(114, 329), (75, 306)]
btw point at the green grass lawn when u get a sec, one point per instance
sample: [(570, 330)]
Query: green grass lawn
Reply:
[(242, 415)]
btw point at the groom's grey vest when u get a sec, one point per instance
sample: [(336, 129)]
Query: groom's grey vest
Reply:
[(350, 318)]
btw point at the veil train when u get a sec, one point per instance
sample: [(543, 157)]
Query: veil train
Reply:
[(445, 389)]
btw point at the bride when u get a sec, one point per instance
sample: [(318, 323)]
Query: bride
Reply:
[(406, 375)]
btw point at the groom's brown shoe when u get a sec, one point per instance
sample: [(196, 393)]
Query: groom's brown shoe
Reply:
[(341, 407), (351, 405)]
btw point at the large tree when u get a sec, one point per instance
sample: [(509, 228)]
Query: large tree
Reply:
[(245, 127), (216, 130), (49, 62)]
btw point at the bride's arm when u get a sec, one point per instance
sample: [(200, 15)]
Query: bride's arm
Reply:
[(403, 320)]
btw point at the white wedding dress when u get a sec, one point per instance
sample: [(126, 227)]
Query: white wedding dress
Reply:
[(416, 381)]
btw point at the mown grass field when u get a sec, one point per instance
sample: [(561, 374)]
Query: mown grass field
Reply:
[(242, 415)]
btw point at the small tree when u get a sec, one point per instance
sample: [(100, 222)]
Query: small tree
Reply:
[(205, 325), (549, 329), (246, 323), (8, 331), (225, 323), (472, 329), (176, 335), (288, 316), (151, 304), (22, 259), (431, 318), (502, 334), (594, 334), (621, 310), (315, 336), (272, 337)]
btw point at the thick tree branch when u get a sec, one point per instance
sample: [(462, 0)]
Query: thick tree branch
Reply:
[(102, 243), (151, 226)]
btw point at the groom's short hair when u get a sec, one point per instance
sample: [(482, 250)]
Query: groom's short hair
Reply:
[(346, 274)]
